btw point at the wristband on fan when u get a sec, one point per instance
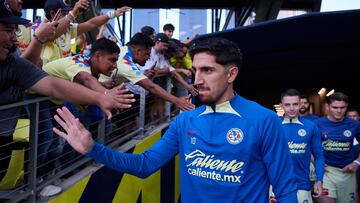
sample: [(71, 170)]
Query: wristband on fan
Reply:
[(111, 14), (72, 15), (38, 39), (357, 162), (69, 18)]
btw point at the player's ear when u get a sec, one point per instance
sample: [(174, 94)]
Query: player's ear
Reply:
[(232, 74)]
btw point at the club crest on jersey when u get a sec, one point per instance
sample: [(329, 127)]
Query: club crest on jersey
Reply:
[(347, 133), (234, 136), (302, 132)]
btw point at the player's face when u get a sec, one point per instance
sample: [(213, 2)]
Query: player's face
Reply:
[(213, 80), (336, 110), (304, 106), (353, 115), (107, 63), (291, 105)]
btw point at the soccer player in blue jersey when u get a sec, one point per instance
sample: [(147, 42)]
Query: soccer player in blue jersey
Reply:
[(230, 149), (353, 114), (304, 112), (304, 139), (305, 108), (337, 134)]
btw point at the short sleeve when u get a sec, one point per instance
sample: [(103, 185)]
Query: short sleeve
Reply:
[(132, 74), (27, 73)]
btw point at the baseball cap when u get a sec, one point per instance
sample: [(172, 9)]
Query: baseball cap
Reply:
[(7, 17), (161, 37), (55, 5)]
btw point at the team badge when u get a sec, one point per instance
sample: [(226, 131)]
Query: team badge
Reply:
[(302, 132), (234, 136), (347, 133)]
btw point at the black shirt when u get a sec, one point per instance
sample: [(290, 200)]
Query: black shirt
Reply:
[(16, 75)]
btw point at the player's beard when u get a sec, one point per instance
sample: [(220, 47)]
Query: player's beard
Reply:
[(302, 110), (212, 101)]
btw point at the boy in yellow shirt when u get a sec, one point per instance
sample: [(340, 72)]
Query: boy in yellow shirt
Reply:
[(85, 70)]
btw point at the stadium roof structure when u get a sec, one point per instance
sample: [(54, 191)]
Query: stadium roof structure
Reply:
[(287, 4), (312, 50)]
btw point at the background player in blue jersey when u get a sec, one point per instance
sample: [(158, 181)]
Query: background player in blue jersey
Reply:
[(353, 114), (305, 108), (230, 149), (303, 140), (304, 112), (337, 134)]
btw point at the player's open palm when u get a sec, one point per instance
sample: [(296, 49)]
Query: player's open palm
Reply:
[(75, 133)]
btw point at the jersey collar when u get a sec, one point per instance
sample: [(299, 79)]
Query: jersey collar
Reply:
[(288, 121)]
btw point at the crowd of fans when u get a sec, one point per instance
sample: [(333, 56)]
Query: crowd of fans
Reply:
[(57, 45)]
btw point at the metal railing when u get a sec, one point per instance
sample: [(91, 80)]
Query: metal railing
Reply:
[(122, 127)]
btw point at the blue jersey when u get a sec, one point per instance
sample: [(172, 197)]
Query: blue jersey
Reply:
[(310, 117), (337, 140), (303, 139), (228, 153)]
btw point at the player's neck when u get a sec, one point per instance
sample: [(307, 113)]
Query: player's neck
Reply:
[(290, 118), (227, 96), (334, 119)]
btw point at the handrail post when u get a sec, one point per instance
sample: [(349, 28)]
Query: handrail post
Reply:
[(142, 110), (167, 104), (33, 147), (101, 130)]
